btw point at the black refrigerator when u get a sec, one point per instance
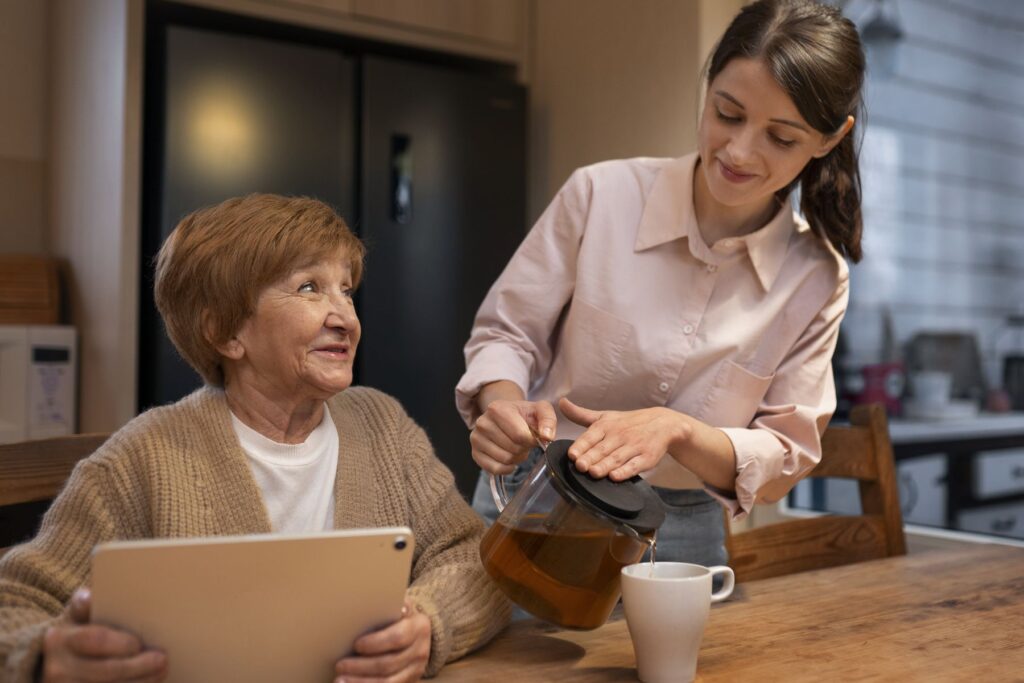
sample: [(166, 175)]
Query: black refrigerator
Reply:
[(423, 156)]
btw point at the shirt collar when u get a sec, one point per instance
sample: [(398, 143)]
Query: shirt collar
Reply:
[(767, 246), (669, 215), (668, 212)]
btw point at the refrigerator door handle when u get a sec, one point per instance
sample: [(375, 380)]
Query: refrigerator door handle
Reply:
[(401, 178)]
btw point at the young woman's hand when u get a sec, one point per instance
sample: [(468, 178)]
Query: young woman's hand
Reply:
[(508, 427), (620, 444), (80, 651), (396, 653)]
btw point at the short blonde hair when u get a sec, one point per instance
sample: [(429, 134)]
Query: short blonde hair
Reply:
[(213, 266)]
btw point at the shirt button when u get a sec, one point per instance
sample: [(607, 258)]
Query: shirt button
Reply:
[(663, 386), (688, 329)]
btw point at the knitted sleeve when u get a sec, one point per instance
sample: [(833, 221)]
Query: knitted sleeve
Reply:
[(38, 578), (449, 584)]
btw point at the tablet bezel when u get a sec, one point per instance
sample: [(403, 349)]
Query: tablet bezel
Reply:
[(255, 608)]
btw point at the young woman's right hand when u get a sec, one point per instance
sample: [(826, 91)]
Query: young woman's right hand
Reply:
[(79, 651), (508, 427)]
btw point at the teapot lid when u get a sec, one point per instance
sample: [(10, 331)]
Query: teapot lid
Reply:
[(632, 502)]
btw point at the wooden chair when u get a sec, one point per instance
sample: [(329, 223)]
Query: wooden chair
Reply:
[(861, 451), (34, 471)]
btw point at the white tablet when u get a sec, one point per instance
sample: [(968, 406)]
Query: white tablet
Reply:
[(253, 608)]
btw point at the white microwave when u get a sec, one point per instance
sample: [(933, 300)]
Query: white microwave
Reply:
[(38, 376)]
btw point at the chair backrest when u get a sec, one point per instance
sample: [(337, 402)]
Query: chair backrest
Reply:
[(861, 451), (34, 471)]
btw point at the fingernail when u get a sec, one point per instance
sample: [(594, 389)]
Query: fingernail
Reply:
[(549, 433)]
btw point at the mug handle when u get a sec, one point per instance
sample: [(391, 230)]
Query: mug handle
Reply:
[(730, 582)]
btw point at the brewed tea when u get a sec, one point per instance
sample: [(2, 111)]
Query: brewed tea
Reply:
[(570, 578)]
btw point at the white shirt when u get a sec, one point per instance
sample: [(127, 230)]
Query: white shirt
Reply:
[(296, 480), (615, 300)]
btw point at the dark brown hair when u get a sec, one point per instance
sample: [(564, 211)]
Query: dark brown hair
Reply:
[(213, 266), (816, 57)]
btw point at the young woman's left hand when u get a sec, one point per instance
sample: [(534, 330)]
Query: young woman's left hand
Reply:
[(620, 444), (396, 653)]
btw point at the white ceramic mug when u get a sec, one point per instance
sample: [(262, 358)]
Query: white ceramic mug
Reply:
[(666, 606), (931, 387)]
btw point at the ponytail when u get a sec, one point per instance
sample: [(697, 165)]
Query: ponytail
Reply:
[(830, 198)]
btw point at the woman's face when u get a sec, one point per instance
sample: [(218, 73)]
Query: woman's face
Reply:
[(752, 139), (301, 340)]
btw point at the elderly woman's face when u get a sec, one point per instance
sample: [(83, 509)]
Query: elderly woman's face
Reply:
[(301, 341)]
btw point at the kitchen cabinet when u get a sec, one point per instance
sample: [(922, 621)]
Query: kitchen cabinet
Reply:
[(485, 29), (984, 459), (499, 22)]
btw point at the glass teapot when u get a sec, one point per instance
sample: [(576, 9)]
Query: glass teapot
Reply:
[(558, 545)]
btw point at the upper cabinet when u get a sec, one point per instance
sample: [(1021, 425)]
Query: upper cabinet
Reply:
[(495, 22), (485, 29)]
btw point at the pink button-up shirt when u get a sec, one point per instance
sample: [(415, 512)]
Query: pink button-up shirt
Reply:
[(615, 300)]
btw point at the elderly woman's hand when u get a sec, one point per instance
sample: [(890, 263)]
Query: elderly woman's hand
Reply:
[(80, 651), (396, 653)]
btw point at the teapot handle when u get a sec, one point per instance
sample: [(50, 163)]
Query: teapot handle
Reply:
[(498, 491)]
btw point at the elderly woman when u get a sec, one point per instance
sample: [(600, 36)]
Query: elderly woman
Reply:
[(256, 294)]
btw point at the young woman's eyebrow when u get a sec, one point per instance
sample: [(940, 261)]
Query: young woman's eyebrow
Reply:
[(786, 122)]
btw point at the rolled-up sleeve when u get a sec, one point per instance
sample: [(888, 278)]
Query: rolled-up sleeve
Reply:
[(783, 442), (511, 337)]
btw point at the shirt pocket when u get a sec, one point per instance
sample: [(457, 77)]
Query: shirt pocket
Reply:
[(734, 397), (595, 344)]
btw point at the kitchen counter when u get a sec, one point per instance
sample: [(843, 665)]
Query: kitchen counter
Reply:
[(958, 474), (982, 426)]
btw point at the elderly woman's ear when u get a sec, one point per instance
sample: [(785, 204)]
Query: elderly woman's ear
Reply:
[(231, 348)]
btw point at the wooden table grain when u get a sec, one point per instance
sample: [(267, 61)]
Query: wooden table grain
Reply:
[(934, 616)]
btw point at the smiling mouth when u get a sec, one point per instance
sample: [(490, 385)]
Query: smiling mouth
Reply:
[(339, 351), (733, 175)]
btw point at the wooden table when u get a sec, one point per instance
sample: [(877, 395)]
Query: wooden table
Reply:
[(934, 616)]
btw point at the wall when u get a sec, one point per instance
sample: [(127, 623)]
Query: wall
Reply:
[(943, 168), (610, 79), (95, 90), (23, 107)]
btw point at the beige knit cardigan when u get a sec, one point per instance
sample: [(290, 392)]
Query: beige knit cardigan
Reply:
[(178, 471)]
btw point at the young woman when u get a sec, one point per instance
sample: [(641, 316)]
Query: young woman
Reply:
[(679, 313)]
